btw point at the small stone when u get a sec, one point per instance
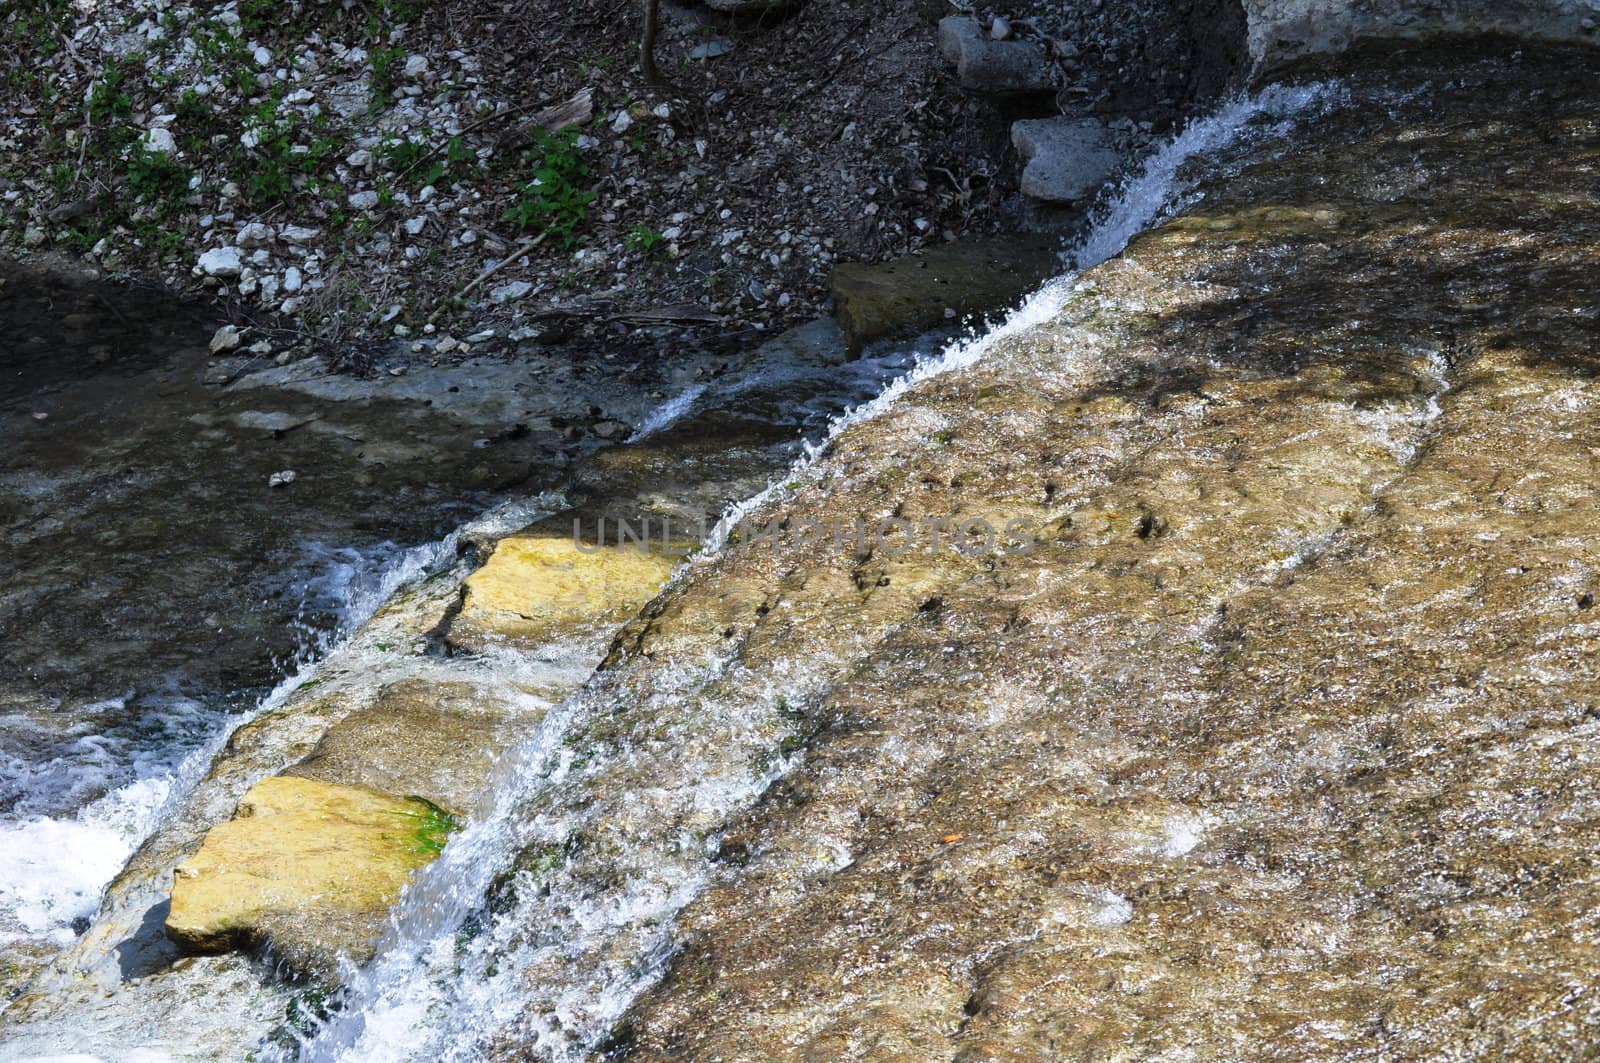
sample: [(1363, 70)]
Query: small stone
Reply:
[(261, 347), (293, 279), (416, 66), (33, 236), (262, 57), (711, 49), (481, 337), (415, 225), (220, 262), (1001, 28), (364, 200), (984, 64), (159, 142), (446, 345), (1068, 160), (281, 479), (254, 235), (41, 416), (511, 292), (299, 234), (226, 338)]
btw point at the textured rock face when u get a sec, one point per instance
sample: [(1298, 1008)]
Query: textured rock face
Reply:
[(1281, 730), (1286, 29), (311, 866)]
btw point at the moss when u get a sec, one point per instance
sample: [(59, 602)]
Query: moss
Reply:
[(434, 825)]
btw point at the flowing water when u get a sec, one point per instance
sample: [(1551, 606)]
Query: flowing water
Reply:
[(557, 907), (457, 975)]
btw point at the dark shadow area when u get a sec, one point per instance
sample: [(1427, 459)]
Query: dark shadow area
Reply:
[(147, 950), (1440, 223)]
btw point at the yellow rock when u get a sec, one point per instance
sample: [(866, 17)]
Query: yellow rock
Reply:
[(535, 588), (312, 866)]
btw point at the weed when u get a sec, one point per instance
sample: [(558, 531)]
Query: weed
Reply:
[(381, 76), (555, 201), (158, 180), (645, 241)]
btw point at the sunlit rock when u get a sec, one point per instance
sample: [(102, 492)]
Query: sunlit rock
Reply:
[(537, 587), (310, 867)]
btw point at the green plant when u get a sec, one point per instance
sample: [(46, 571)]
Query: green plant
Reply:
[(381, 76), (308, 1009), (108, 101), (158, 180), (555, 201), (433, 827), (643, 240), (387, 14)]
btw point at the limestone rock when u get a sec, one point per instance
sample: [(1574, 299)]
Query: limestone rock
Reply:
[(225, 339), (998, 67), (536, 587), (1281, 732), (1068, 160), (220, 262), (1281, 30), (159, 141), (311, 866), (968, 278), (435, 740)]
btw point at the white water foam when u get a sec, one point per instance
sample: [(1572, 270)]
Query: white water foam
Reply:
[(54, 869), (429, 996)]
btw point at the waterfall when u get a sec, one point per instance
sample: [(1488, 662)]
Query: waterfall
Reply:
[(451, 974)]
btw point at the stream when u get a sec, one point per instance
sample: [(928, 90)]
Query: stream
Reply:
[(645, 774)]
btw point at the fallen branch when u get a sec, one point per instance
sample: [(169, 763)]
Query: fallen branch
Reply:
[(522, 249), (553, 119)]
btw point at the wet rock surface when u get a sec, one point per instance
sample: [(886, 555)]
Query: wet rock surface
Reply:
[(535, 587), (1274, 730), (1246, 698), (151, 576), (940, 287), (405, 712)]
